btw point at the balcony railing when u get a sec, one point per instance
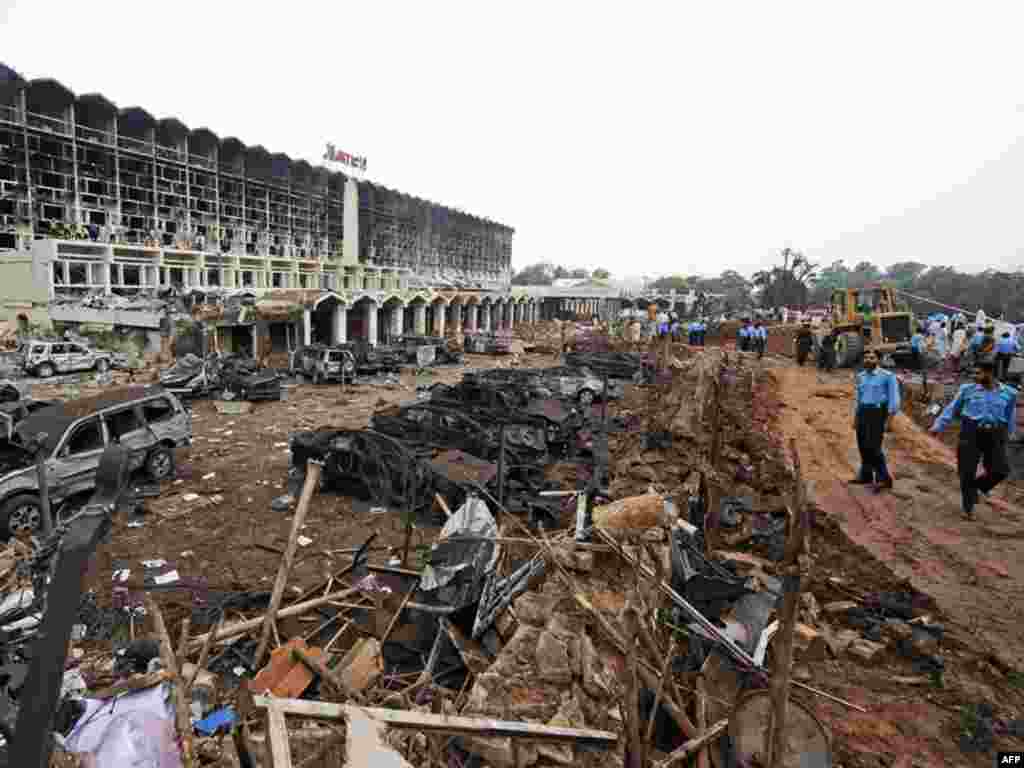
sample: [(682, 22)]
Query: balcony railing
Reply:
[(47, 123)]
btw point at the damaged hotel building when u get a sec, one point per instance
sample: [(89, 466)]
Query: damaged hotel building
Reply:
[(104, 210)]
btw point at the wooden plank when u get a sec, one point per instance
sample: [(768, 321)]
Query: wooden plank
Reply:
[(284, 570), (233, 630), (279, 750), (431, 723)]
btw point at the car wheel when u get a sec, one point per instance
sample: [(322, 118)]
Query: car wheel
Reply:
[(45, 371), (102, 366), (160, 463), (586, 397), (21, 514)]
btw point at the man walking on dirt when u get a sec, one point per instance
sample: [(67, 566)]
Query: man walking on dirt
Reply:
[(1006, 348), (988, 417), (759, 336), (743, 336), (804, 341), (878, 400)]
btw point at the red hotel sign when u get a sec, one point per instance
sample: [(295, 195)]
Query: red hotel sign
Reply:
[(337, 156)]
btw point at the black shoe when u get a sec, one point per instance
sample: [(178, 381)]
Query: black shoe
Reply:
[(860, 481), (885, 485)]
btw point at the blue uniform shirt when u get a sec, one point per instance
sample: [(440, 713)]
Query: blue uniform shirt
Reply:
[(985, 406), (917, 342), (745, 332), (878, 387), (977, 339), (1008, 346), (760, 333)]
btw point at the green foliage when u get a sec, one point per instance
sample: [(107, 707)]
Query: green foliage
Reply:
[(672, 283), (601, 274)]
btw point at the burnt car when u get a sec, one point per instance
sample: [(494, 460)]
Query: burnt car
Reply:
[(392, 473), (511, 406), (437, 426), (192, 376), (322, 363), (444, 351), (577, 384), (244, 379), (371, 360), (149, 422), (623, 366), (488, 342)]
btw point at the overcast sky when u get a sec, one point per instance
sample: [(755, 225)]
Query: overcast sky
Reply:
[(643, 137)]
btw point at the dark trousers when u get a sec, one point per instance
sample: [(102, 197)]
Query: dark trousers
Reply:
[(759, 345), (743, 343), (988, 445), (1002, 365), (870, 431), (700, 338), (802, 350), (693, 338)]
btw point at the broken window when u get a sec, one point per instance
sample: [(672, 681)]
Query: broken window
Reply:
[(78, 274), (157, 410), (131, 274), (213, 277), (85, 437), (120, 423)]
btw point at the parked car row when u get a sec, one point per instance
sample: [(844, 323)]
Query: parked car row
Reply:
[(49, 358)]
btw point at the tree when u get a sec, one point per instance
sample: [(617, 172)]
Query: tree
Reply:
[(561, 273), (904, 274), (601, 274), (579, 274), (731, 285), (864, 274), (673, 283), (535, 274), (788, 283)]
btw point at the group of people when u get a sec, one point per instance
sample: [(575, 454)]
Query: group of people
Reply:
[(669, 324), (752, 338), (955, 343), (987, 411)]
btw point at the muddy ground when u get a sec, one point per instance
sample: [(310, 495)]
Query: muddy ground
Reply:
[(911, 539)]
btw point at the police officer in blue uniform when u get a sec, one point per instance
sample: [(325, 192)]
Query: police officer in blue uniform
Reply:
[(878, 400), (744, 335), (988, 417)]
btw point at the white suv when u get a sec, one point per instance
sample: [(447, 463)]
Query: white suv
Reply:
[(45, 358)]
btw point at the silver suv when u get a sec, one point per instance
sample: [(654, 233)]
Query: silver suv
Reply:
[(321, 363), (147, 421), (45, 358)]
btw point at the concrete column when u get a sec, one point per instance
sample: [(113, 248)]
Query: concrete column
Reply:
[(485, 317), (439, 312), (396, 321), (457, 318), (515, 315), (307, 327), (339, 330), (419, 316), (371, 323), (255, 343), (471, 320)]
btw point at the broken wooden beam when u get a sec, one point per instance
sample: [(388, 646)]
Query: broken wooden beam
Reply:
[(317, 667), (278, 747), (431, 723), (313, 469), (233, 630), (182, 719)]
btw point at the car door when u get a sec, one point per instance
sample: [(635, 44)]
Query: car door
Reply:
[(79, 358), (126, 427), (59, 358), (78, 457)]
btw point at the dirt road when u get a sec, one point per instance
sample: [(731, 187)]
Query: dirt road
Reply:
[(974, 570)]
